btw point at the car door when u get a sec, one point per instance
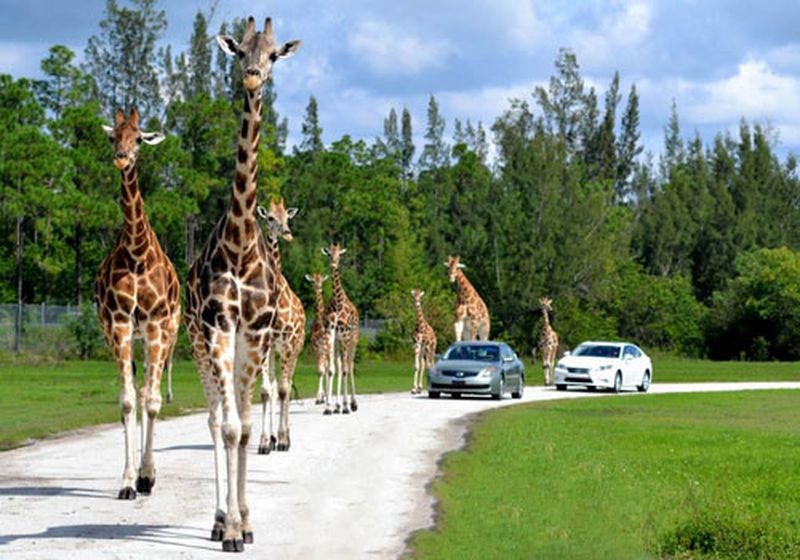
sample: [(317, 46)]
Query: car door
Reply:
[(509, 366), (630, 366)]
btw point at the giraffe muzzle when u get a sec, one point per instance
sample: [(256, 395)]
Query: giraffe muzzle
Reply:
[(121, 162)]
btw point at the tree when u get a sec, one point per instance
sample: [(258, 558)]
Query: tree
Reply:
[(435, 152), (121, 57), (561, 101), (311, 129), (407, 147), (199, 58), (628, 147)]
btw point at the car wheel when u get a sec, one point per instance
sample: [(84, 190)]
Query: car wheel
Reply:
[(434, 394), (618, 383), (501, 388), (455, 395), (520, 389), (643, 388), (561, 387), (591, 388)]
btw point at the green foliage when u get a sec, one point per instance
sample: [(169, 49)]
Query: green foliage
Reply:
[(87, 336)]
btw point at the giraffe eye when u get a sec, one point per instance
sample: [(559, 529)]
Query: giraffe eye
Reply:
[(139, 140)]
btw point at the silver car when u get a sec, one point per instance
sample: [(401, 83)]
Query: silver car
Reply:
[(477, 367)]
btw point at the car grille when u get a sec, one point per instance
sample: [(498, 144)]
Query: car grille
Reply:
[(455, 372), (577, 380), (578, 370), (447, 386)]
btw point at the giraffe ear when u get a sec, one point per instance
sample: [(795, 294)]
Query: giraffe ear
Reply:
[(152, 138), (291, 212), (413, 294), (324, 277), (308, 278), (288, 49), (262, 212), (342, 251), (447, 265), (228, 45), (326, 252), (109, 130), (421, 294), (460, 265)]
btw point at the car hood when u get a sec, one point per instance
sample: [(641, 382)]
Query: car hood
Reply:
[(462, 365), (586, 362)]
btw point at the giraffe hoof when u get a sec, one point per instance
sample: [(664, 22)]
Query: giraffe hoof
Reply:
[(169, 398), (337, 410), (216, 533), (353, 406), (233, 545), (247, 537), (127, 493), (345, 410), (327, 412), (264, 449), (319, 401), (273, 442), (145, 485)]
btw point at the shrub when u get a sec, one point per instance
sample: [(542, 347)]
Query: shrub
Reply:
[(87, 336)]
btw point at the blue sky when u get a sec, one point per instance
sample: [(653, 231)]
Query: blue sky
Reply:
[(720, 59)]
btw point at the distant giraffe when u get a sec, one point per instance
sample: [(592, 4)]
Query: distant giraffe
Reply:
[(341, 316), (137, 295), (424, 343), (548, 342), (232, 295), (287, 334), (319, 336), (472, 317)]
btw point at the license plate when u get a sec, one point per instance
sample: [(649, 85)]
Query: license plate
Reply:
[(459, 382)]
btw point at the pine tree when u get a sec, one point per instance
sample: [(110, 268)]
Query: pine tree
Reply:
[(312, 131), (628, 147), (606, 144), (674, 153), (390, 143), (435, 153), (199, 58), (407, 147), (561, 102)]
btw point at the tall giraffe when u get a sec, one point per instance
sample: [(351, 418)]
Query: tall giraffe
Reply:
[(341, 316), (287, 335), (548, 342), (472, 317), (137, 296), (232, 295), (424, 343), (319, 336)]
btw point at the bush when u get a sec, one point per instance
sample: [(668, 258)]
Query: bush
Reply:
[(87, 336)]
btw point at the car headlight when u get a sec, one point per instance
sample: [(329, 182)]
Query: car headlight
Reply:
[(487, 371), (561, 366), (605, 367)]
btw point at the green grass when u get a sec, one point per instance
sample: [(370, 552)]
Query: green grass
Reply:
[(671, 369), (40, 400), (656, 476)]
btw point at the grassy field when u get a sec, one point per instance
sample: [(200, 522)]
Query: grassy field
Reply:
[(41, 400), (657, 476)]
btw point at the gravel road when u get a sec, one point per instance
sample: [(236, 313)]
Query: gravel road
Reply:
[(351, 486)]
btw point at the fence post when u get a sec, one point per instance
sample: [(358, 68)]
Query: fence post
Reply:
[(44, 314)]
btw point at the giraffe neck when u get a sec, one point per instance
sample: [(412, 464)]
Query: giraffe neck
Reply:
[(241, 212), (274, 253), (420, 314), (338, 291), (546, 319), (464, 287), (319, 301), (136, 223)]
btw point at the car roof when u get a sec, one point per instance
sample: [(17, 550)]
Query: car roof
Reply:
[(479, 343), (608, 343)]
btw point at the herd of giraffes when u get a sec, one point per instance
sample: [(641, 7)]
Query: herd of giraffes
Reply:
[(240, 312)]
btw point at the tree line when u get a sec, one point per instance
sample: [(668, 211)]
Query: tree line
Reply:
[(693, 251)]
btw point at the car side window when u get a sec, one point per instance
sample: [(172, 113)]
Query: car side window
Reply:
[(505, 352), (629, 351)]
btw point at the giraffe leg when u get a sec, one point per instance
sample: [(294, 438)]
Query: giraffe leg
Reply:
[(123, 335), (169, 373), (246, 371), (151, 403), (322, 368), (264, 446), (339, 374), (417, 359), (459, 328), (288, 364), (331, 369), (351, 370)]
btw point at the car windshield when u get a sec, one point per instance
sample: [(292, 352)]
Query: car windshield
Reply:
[(480, 353), (597, 351)]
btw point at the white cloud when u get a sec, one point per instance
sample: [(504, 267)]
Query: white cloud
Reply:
[(389, 51), (622, 30)]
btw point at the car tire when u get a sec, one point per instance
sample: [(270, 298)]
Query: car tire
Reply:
[(500, 390), (645, 386), (618, 382), (561, 387), (591, 388), (434, 394), (455, 395), (520, 389)]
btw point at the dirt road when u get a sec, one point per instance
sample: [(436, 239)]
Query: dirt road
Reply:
[(351, 486)]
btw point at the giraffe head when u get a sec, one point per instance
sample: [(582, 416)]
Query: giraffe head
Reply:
[(334, 252), (417, 294), (453, 264), (127, 138), (317, 279), (257, 52), (277, 218), (546, 304)]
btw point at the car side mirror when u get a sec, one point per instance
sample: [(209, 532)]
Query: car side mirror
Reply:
[(567, 353), (628, 357)]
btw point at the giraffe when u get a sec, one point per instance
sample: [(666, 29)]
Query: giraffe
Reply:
[(286, 337), (341, 316), (548, 342), (231, 298), (472, 317), (319, 336), (137, 296), (424, 343)]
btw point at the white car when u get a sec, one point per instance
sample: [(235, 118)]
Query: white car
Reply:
[(608, 365)]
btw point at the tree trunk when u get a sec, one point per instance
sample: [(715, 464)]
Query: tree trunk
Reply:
[(78, 262), (191, 226), (18, 321)]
